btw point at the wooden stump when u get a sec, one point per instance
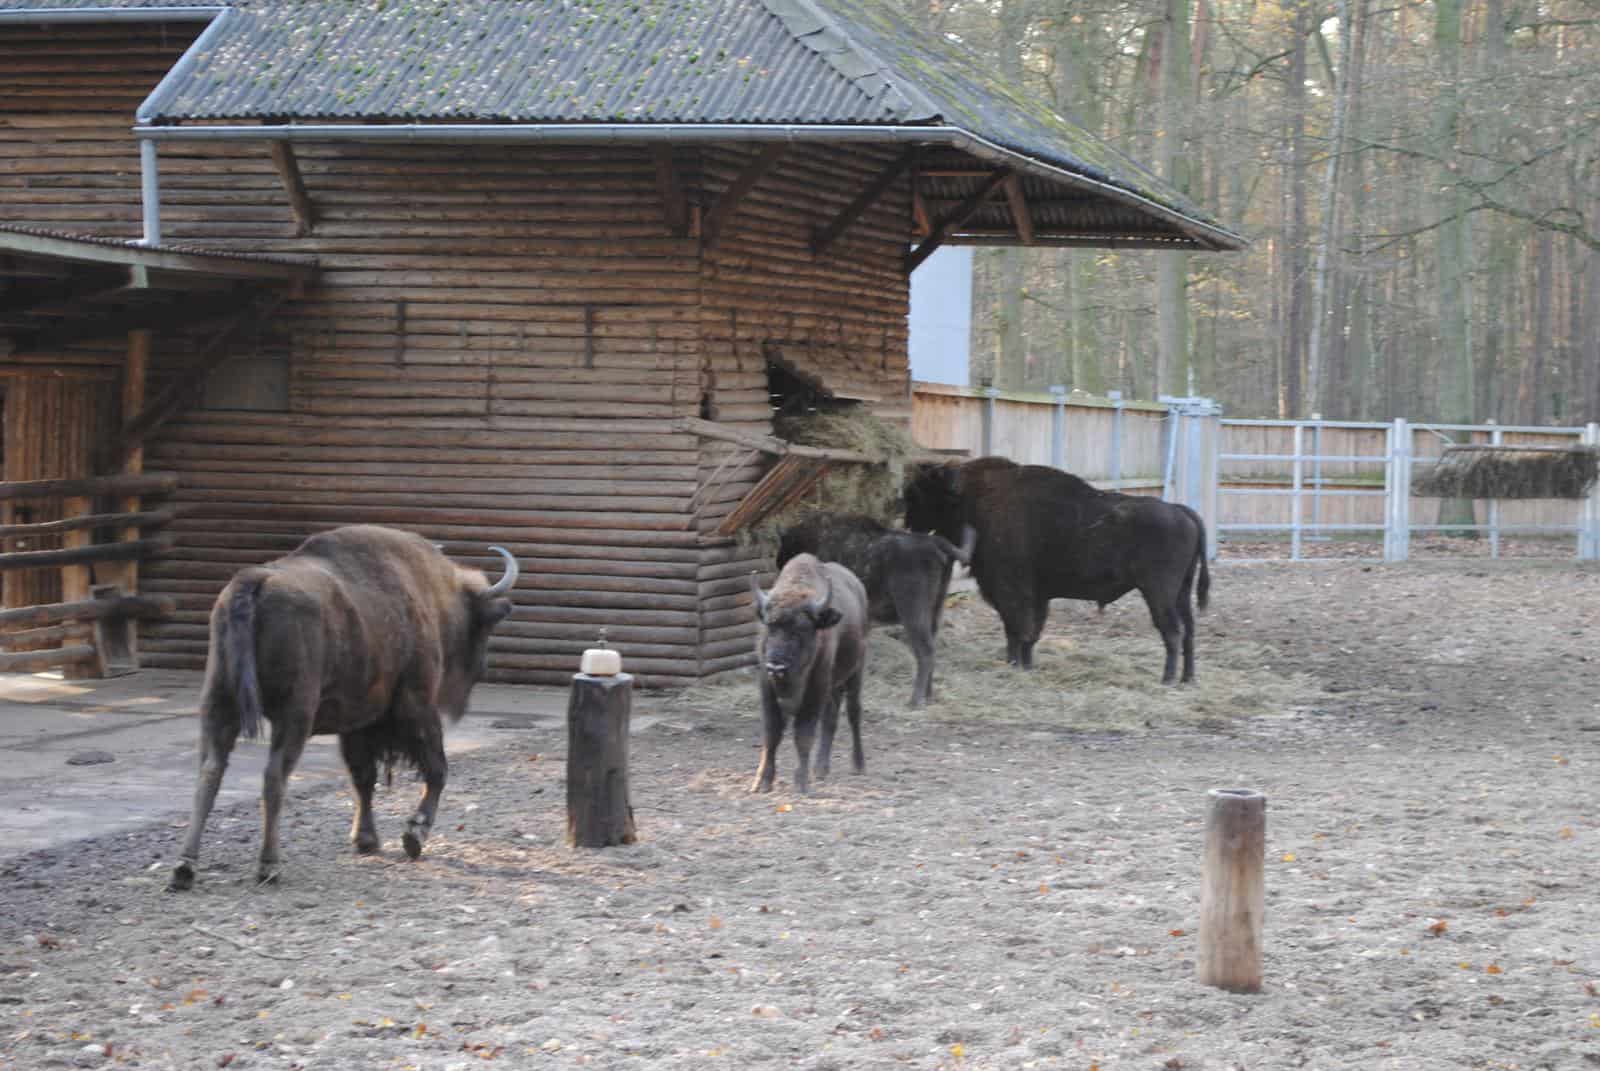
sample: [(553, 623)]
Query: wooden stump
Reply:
[(1233, 890), (599, 813)]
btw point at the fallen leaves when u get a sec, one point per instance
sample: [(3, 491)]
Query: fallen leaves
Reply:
[(1438, 928)]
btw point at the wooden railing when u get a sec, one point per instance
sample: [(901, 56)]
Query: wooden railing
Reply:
[(89, 631)]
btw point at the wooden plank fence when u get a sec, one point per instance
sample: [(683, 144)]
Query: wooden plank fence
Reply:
[(88, 632)]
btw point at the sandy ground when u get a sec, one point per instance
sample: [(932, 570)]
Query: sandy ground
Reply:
[(1013, 883)]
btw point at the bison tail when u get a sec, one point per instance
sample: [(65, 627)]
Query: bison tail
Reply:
[(240, 660), (1202, 591)]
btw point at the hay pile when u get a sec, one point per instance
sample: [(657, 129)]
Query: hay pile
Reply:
[(873, 489), (1092, 674), (1509, 472)]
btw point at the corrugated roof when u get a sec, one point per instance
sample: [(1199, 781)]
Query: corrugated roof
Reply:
[(682, 61), (46, 6), (636, 62)]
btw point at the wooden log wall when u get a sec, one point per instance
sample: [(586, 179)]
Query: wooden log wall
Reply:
[(496, 351), (840, 317)]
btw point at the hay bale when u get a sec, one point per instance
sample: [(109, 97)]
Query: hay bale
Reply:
[(1475, 471), (873, 489)]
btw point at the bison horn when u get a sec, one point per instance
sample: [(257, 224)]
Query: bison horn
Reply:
[(509, 579), (760, 597), (820, 604)]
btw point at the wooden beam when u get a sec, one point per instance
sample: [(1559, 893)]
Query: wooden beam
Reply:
[(1019, 209), (89, 610), (728, 202), (823, 237), (305, 213), (674, 205), (164, 315), (188, 384), (83, 555), (919, 214), (83, 251), (155, 518), (958, 215), (150, 483)]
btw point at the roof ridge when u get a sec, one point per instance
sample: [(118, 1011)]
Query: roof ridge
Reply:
[(822, 34)]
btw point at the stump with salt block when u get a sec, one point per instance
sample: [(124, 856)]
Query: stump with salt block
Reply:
[(599, 810), (1233, 890)]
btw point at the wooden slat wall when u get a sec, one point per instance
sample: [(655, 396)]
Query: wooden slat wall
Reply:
[(498, 344), (840, 317)]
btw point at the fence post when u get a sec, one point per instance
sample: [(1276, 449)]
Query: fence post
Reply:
[(1589, 514), (1058, 427), (1397, 498), (1205, 470), (986, 439), (1116, 438), (1496, 437), (1316, 477), (1297, 484)]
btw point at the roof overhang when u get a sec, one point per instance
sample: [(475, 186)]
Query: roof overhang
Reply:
[(1128, 218), (56, 289)]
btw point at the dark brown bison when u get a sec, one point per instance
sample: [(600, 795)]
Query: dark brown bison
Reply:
[(367, 632), (906, 575), (811, 652), (1044, 534)]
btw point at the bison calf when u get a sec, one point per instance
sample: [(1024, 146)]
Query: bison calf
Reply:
[(367, 632), (812, 650), (906, 575)]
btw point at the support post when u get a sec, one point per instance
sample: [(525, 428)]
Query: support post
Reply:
[(76, 580), (599, 812), (986, 439), (1233, 890), (1497, 436), (1400, 491), (1058, 427), (1589, 513), (1116, 438), (150, 191), (1297, 484)]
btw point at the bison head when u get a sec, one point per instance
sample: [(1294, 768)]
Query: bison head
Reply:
[(485, 606), (794, 616), (933, 501)]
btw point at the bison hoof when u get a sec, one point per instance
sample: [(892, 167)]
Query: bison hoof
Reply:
[(182, 878), (267, 874), (412, 842), (758, 785), (367, 845)]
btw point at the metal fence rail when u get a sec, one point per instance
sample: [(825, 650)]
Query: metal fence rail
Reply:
[(1307, 484)]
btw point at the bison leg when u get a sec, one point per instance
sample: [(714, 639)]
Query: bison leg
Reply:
[(434, 768), (805, 731), (1186, 619), (360, 753), (219, 728), (830, 726), (919, 636), (858, 757), (1166, 619), (288, 741), (771, 737)]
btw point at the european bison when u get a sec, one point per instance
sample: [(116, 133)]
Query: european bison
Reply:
[(1044, 533), (812, 649), (363, 631), (906, 575)]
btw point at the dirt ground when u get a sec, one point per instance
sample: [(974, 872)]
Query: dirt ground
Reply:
[(1013, 883)]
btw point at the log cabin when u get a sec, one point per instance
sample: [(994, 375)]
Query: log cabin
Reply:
[(497, 271)]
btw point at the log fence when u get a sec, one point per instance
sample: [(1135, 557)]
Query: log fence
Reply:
[(88, 630)]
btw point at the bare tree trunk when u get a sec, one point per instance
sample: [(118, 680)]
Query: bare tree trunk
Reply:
[(1330, 215)]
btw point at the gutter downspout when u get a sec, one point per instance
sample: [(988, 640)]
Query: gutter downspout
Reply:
[(181, 13), (149, 159), (1204, 235)]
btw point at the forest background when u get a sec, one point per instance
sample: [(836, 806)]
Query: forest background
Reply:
[(1420, 183)]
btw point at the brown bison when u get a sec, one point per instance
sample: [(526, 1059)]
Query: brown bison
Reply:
[(906, 574), (1044, 534), (812, 651), (367, 632)]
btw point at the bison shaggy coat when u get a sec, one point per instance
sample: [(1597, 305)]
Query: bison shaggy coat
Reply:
[(1044, 533), (906, 576), (812, 651), (363, 631)]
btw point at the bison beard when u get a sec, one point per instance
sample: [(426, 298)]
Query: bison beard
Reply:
[(1044, 533), (367, 632)]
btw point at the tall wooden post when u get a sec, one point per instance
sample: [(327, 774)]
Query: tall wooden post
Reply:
[(1233, 890), (599, 811)]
